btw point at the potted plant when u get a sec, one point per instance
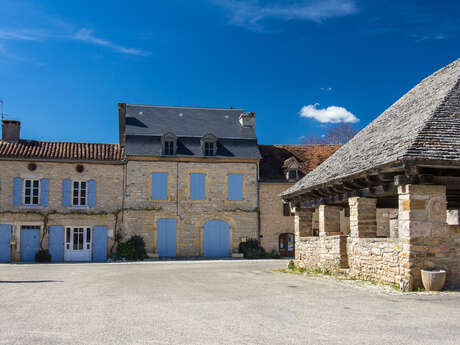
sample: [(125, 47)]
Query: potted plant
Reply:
[(433, 280)]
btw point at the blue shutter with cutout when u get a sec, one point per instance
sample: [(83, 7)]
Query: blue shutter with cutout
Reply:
[(17, 191), (66, 192), (92, 193), (160, 186), (44, 187), (235, 187), (197, 186)]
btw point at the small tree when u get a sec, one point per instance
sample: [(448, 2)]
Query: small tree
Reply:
[(335, 134)]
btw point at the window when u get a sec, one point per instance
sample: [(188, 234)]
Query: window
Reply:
[(31, 192), (79, 193), (169, 148), (209, 145), (287, 210), (292, 175), (209, 149), (197, 186), (78, 239), (235, 187), (169, 144)]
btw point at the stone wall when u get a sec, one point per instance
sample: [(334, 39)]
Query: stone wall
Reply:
[(375, 259), (191, 215), (325, 253), (272, 221), (109, 183)]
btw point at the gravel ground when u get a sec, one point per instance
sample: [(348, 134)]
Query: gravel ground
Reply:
[(211, 302)]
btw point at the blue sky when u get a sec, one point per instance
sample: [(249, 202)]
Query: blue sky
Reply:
[(299, 65)]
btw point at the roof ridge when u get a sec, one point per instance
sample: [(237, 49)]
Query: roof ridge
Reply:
[(55, 142), (181, 107)]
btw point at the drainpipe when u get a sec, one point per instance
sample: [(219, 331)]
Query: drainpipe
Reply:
[(258, 202)]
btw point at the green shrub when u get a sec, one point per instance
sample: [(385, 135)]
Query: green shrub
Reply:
[(43, 256), (132, 249), (291, 264), (273, 255), (252, 249)]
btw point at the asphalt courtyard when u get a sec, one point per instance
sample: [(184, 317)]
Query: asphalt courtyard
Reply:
[(210, 302)]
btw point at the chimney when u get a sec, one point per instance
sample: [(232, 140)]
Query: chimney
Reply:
[(247, 120), (10, 130)]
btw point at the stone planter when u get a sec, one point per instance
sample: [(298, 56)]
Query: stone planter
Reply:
[(433, 280)]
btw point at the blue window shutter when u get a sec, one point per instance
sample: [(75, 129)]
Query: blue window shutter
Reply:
[(235, 187), (197, 186), (92, 193), (44, 186), (56, 242), (160, 185), (99, 243), (66, 192), (17, 191)]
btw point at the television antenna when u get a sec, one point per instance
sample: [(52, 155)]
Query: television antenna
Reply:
[(2, 108)]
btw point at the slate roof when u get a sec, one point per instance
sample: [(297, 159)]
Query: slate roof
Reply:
[(308, 156), (145, 125), (194, 122), (424, 124), (31, 149)]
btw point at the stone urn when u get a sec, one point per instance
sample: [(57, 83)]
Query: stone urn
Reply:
[(433, 280)]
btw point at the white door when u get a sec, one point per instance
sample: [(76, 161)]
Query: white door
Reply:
[(77, 245)]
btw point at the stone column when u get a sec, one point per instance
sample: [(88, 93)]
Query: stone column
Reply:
[(363, 217), (303, 222), (329, 220), (423, 231)]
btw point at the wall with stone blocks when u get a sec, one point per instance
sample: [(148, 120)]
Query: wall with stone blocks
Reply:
[(326, 253), (191, 215), (375, 259), (272, 221)]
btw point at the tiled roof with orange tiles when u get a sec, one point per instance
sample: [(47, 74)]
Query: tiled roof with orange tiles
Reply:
[(48, 150), (309, 157)]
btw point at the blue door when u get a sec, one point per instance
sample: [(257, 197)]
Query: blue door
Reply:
[(30, 242), (100, 244), (216, 239), (166, 237), (56, 243), (5, 238)]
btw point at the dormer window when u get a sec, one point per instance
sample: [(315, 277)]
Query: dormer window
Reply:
[(291, 169), (209, 145), (169, 144)]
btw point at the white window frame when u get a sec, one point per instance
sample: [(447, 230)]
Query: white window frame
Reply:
[(79, 193), (68, 242), (31, 192)]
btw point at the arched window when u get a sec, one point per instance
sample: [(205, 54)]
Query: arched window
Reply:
[(169, 144), (209, 145)]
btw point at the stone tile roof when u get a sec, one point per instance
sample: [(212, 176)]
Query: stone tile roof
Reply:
[(308, 156), (30, 149), (424, 124)]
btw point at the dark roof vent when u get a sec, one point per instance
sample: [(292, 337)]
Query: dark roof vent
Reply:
[(11, 130)]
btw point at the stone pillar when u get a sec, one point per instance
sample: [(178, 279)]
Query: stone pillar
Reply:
[(423, 231), (329, 220), (303, 222), (363, 217)]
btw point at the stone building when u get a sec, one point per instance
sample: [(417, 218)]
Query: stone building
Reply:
[(406, 161), (280, 168), (191, 178), (61, 196)]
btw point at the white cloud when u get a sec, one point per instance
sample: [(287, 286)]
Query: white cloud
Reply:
[(332, 114), (86, 35), (326, 88), (250, 14), (23, 35)]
